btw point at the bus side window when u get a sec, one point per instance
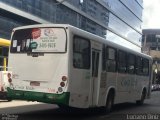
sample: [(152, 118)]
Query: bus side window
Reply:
[(5, 51), (122, 62), (111, 59), (81, 53), (145, 66), (131, 64), (1, 63), (104, 58), (139, 65)]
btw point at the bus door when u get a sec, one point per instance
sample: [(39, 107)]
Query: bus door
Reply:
[(95, 75)]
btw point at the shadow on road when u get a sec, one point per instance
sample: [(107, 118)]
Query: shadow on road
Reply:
[(54, 113), (125, 106), (61, 114)]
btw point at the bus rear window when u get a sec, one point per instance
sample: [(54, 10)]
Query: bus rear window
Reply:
[(39, 40)]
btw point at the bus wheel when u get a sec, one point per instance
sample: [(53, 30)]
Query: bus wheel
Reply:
[(63, 107), (141, 101), (109, 103), (9, 99)]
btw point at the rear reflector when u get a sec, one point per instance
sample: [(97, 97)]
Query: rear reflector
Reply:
[(60, 89), (34, 83)]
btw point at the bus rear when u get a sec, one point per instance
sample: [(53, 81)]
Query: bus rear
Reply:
[(38, 59)]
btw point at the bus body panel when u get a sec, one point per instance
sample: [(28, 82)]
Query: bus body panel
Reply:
[(142, 83), (84, 88), (108, 81), (80, 79), (40, 76), (34, 75)]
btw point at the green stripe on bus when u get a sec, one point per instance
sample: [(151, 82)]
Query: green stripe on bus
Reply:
[(40, 97)]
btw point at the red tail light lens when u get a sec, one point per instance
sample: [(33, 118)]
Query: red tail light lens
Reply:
[(62, 84), (9, 75), (64, 78), (9, 80), (2, 89)]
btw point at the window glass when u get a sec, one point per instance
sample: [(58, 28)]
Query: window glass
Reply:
[(122, 62), (145, 66), (1, 63), (111, 54), (39, 40), (5, 51), (131, 63), (151, 38), (111, 59), (1, 51), (139, 65), (81, 53), (95, 63), (3, 57), (103, 58)]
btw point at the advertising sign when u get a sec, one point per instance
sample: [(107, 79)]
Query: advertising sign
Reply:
[(48, 40)]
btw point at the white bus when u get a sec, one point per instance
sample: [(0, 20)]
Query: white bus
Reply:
[(64, 65)]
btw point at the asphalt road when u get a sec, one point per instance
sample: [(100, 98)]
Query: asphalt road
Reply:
[(21, 110)]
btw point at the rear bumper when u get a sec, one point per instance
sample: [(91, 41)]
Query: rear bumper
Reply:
[(62, 99), (3, 95)]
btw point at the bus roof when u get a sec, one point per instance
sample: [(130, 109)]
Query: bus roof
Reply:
[(4, 42), (93, 36)]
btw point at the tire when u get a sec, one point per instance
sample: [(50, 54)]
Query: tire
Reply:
[(9, 99), (109, 103), (143, 96), (65, 108)]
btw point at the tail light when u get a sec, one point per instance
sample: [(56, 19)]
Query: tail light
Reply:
[(60, 89), (9, 80), (62, 84), (64, 78), (9, 77), (2, 89)]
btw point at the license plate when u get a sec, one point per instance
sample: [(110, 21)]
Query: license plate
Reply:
[(34, 83)]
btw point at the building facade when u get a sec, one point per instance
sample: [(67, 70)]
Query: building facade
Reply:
[(116, 20), (151, 46)]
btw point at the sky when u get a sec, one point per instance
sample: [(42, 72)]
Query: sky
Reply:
[(151, 14)]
